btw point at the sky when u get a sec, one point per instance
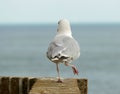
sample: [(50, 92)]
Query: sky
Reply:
[(50, 11)]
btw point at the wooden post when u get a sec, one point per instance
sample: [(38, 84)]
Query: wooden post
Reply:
[(25, 85), (4, 85), (30, 85), (14, 85), (50, 86), (31, 82), (83, 85)]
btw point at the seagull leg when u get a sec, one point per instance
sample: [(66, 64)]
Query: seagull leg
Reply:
[(75, 71), (59, 80)]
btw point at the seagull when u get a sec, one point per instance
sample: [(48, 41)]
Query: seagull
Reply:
[(63, 48)]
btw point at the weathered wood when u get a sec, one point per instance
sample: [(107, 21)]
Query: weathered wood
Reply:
[(83, 85), (14, 85), (31, 82), (0, 84), (25, 85), (50, 86), (4, 86)]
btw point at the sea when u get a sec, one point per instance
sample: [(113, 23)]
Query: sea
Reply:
[(23, 54)]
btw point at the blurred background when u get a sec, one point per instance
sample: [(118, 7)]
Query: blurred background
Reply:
[(28, 26)]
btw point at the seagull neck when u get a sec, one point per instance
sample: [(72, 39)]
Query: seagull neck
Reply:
[(64, 34)]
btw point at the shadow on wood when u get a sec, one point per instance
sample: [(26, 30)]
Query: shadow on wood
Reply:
[(16, 85)]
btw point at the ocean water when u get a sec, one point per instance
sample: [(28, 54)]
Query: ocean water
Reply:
[(23, 53)]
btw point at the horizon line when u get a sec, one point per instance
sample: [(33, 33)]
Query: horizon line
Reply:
[(43, 24)]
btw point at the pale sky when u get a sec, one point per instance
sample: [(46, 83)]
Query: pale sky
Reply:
[(50, 11)]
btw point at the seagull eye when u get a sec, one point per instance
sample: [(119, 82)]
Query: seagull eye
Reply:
[(59, 22)]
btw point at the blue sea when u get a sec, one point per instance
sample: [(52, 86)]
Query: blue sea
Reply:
[(23, 53)]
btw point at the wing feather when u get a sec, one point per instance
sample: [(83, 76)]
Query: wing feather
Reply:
[(63, 46)]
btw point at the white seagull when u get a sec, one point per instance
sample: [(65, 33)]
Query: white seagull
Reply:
[(64, 48)]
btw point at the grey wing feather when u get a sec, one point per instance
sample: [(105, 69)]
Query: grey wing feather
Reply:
[(53, 50), (73, 49), (65, 46)]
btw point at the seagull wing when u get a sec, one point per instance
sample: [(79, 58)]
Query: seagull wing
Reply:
[(63, 46)]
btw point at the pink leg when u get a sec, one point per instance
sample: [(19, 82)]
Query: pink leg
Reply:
[(75, 71), (59, 80)]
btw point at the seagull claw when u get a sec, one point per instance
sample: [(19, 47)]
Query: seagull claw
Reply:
[(59, 81)]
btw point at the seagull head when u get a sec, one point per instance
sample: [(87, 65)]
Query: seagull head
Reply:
[(64, 27)]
